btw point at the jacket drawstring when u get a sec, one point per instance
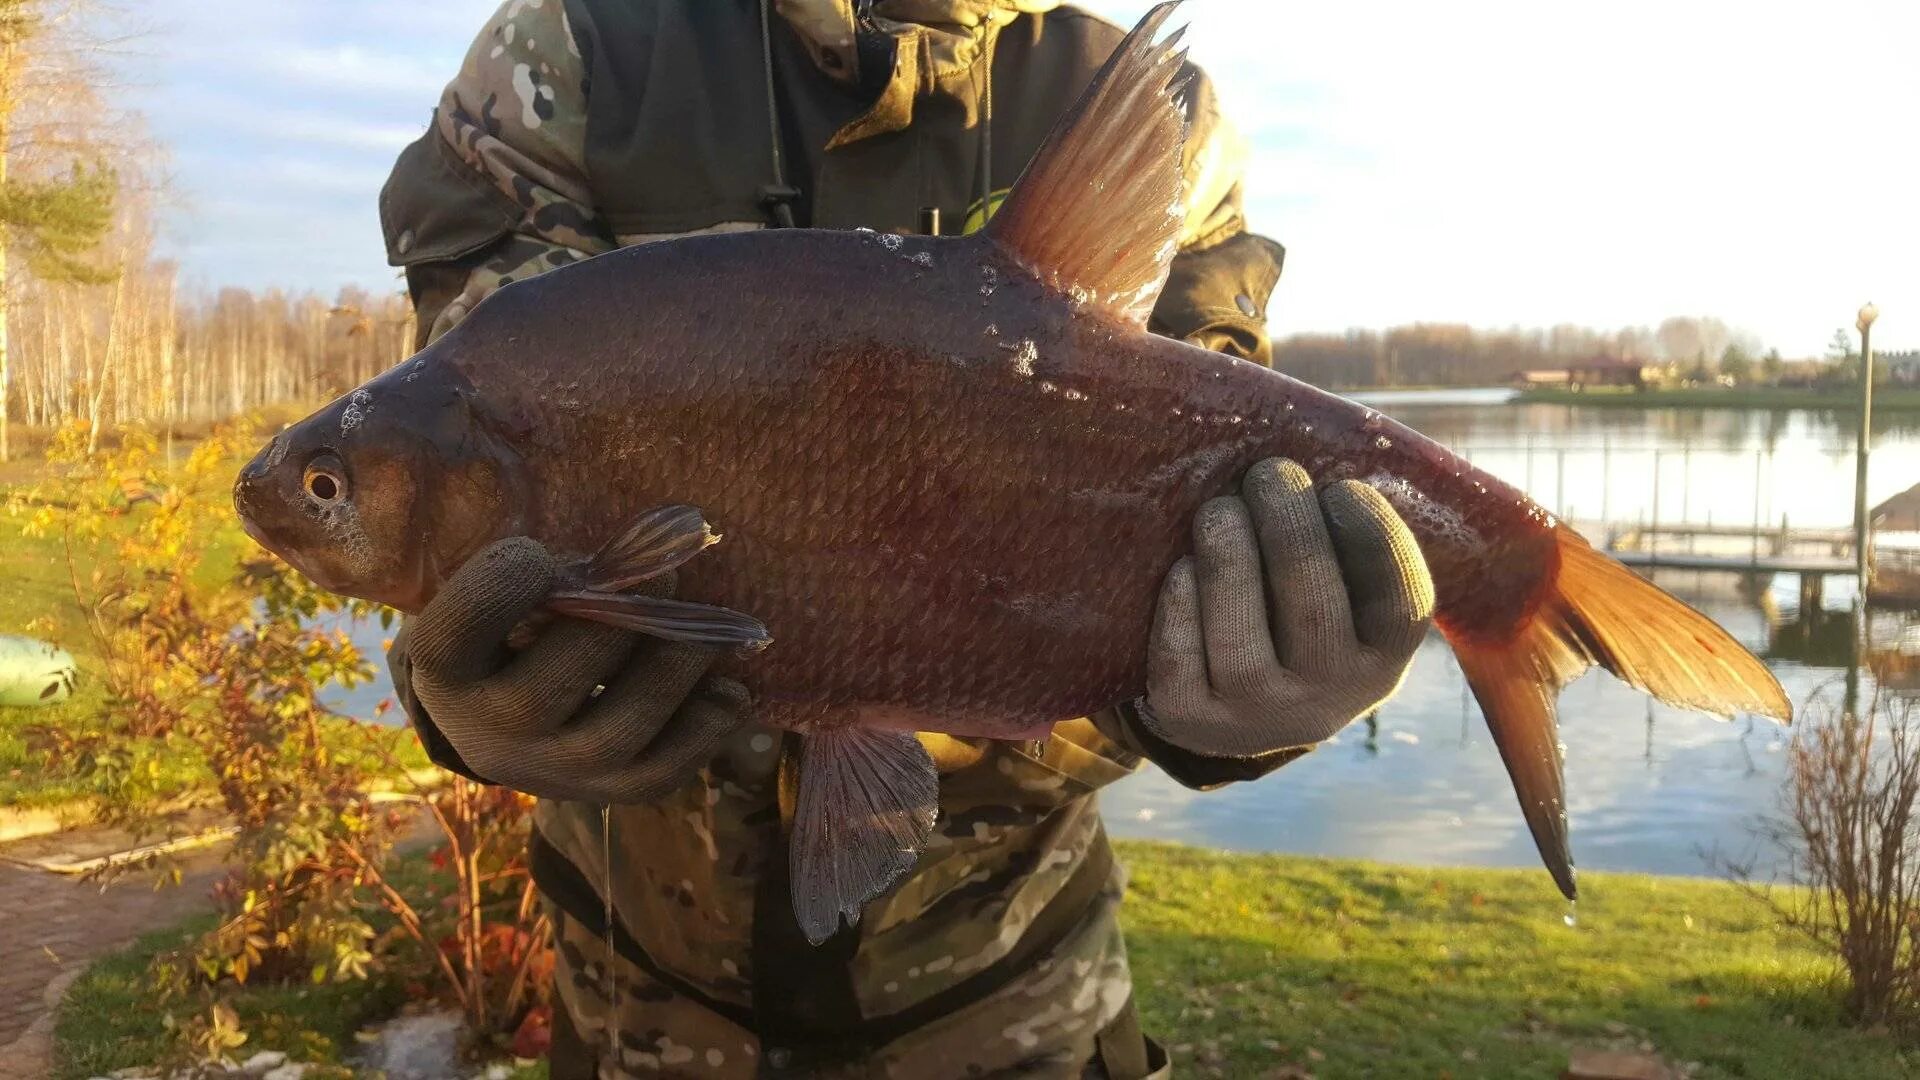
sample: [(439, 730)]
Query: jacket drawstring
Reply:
[(777, 198), (986, 131)]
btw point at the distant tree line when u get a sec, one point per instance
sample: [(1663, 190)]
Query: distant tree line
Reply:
[(137, 351), (1452, 354)]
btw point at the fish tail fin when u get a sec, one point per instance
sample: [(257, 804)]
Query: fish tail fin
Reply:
[(1600, 612), (1098, 211)]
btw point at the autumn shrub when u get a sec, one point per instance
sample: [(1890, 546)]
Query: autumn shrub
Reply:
[(1851, 841), (216, 652)]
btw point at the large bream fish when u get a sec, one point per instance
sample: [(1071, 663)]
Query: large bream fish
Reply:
[(950, 473)]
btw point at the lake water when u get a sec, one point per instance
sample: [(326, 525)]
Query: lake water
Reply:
[(1649, 788)]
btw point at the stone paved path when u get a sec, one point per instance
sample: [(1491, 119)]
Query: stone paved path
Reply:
[(52, 926)]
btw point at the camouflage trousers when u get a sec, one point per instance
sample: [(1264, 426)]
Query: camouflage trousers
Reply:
[(1069, 1016)]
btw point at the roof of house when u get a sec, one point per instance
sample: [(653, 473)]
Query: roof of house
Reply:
[(1601, 363), (1900, 512)]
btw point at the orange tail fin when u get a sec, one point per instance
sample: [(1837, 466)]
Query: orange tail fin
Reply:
[(1601, 613)]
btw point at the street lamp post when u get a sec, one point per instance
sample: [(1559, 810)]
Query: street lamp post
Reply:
[(1861, 534), (1861, 567)]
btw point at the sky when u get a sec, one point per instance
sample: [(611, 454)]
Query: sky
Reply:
[(1491, 162)]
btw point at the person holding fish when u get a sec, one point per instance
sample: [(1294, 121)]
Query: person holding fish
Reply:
[(667, 800), (995, 517)]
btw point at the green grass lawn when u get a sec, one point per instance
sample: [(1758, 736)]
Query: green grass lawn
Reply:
[(1889, 399), (1248, 963), (1356, 969), (111, 1019)]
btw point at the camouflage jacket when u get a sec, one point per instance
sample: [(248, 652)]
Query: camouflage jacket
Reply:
[(577, 126)]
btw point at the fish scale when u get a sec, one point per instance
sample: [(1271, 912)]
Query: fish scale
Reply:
[(951, 506)]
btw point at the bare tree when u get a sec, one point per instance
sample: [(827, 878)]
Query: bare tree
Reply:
[(1851, 838), (57, 193)]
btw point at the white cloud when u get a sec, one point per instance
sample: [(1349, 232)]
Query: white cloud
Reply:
[(365, 71), (1503, 162)]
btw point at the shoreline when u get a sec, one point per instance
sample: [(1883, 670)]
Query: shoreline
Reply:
[(1885, 399)]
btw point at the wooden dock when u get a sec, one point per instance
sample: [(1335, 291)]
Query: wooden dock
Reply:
[(1744, 564), (1811, 554)]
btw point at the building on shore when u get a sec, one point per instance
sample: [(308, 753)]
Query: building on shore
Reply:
[(1604, 371)]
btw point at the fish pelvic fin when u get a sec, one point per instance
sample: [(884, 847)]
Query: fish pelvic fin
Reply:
[(865, 807), (658, 542), (1600, 612), (1098, 212), (670, 620)]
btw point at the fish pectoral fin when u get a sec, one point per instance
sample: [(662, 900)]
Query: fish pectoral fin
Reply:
[(672, 620), (866, 805), (1099, 210), (659, 541)]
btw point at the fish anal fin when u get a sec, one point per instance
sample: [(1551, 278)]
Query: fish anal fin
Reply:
[(1599, 612), (1097, 213), (865, 807)]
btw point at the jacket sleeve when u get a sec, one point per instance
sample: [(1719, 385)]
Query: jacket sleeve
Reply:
[(1130, 741), (1217, 290), (496, 189)]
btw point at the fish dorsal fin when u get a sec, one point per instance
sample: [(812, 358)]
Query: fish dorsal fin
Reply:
[(1097, 213)]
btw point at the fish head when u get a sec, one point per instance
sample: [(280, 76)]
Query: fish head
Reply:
[(384, 492)]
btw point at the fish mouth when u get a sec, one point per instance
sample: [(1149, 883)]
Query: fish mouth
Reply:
[(245, 497), (259, 534)]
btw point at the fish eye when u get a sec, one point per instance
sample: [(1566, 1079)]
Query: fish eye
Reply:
[(325, 480)]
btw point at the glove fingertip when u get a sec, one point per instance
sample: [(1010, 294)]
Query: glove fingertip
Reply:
[(1358, 514), (715, 719), (519, 562), (727, 692), (1276, 478)]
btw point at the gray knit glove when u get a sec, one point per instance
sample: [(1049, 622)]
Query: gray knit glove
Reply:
[(530, 719), (1243, 663)]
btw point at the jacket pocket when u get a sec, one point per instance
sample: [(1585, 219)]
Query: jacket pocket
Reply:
[(1217, 297)]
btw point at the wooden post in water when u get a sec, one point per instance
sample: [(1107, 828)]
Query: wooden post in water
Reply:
[(1686, 482), (1810, 598), (1653, 526), (1560, 483), (1606, 478)]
